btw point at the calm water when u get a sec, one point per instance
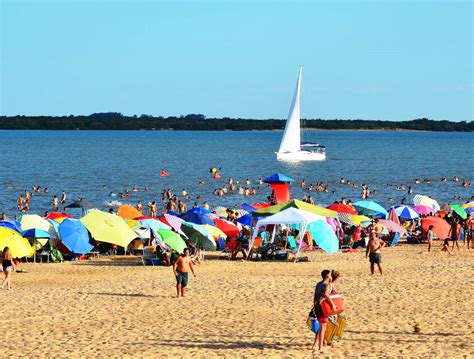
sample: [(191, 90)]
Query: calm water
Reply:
[(91, 164)]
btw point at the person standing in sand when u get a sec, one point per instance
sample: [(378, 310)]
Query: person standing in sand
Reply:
[(373, 251), (181, 269), (323, 290), (378, 228), (468, 230), (454, 233), (430, 237), (8, 266)]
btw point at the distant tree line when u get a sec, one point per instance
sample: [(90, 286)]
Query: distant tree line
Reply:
[(198, 122)]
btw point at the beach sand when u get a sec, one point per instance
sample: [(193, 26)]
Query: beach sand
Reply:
[(114, 307)]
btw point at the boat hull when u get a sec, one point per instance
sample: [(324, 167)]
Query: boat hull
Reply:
[(301, 156)]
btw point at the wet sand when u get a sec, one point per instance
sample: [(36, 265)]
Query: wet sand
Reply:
[(116, 307)]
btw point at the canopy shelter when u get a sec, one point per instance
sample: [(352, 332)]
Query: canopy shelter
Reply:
[(294, 203), (289, 216), (280, 186)]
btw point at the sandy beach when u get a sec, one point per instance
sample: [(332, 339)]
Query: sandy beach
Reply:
[(115, 307)]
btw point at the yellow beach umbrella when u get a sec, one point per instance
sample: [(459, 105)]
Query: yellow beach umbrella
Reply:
[(29, 221), (18, 245), (468, 205), (358, 219), (214, 231), (106, 227)]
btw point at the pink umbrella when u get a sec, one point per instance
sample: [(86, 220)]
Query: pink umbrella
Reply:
[(393, 216), (392, 226), (425, 210)]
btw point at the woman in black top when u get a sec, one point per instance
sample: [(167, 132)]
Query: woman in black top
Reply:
[(7, 265)]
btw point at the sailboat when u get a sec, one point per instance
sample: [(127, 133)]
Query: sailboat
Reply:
[(291, 147)]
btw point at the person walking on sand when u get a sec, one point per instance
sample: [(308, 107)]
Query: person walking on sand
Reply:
[(454, 233), (430, 237), (181, 269), (323, 290), (373, 252), (7, 265)]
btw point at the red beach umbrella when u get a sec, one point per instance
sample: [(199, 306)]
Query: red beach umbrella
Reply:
[(56, 215), (230, 229), (440, 226), (342, 208)]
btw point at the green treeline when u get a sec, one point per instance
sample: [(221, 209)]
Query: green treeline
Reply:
[(198, 122)]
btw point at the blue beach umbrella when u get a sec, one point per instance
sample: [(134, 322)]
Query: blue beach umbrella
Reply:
[(197, 218), (246, 220), (370, 208), (405, 212), (74, 236), (36, 233), (324, 236), (8, 223)]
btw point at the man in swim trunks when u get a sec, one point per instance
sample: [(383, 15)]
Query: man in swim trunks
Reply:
[(373, 252), (181, 269)]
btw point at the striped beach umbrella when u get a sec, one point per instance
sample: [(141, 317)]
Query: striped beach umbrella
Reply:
[(426, 201), (406, 212)]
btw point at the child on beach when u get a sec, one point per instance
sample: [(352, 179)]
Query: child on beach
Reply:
[(8, 266), (430, 237), (446, 246), (373, 252)]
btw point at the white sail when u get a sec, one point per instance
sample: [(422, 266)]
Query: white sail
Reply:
[(291, 141)]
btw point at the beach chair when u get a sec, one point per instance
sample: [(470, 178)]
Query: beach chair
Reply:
[(335, 328), (149, 257), (292, 243)]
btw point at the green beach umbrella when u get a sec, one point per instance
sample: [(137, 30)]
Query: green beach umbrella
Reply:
[(172, 240), (459, 210), (199, 235)]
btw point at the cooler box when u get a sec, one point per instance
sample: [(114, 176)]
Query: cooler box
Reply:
[(326, 307)]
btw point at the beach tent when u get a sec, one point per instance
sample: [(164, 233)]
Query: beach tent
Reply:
[(289, 216), (108, 228), (294, 203), (280, 186)]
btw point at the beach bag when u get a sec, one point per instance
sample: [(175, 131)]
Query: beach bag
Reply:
[(326, 306), (313, 324)]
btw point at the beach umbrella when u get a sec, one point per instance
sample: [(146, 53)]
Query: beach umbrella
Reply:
[(41, 236), (220, 211), (155, 224), (424, 210), (229, 228), (392, 216), (324, 236), (342, 208), (215, 232), (245, 220), (57, 216), (459, 210), (370, 208), (198, 218), (344, 218), (108, 228), (468, 205), (172, 240), (426, 201), (359, 219), (127, 211), (81, 203), (469, 210), (392, 226), (74, 236), (8, 223), (29, 221), (142, 231), (405, 212), (19, 245), (199, 235), (440, 226), (175, 222)]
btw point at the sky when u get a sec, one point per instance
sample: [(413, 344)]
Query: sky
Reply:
[(376, 60)]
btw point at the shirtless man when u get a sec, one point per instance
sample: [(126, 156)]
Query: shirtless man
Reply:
[(181, 268), (469, 230), (373, 252), (378, 228)]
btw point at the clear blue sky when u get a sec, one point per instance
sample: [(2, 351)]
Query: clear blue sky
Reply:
[(391, 60)]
